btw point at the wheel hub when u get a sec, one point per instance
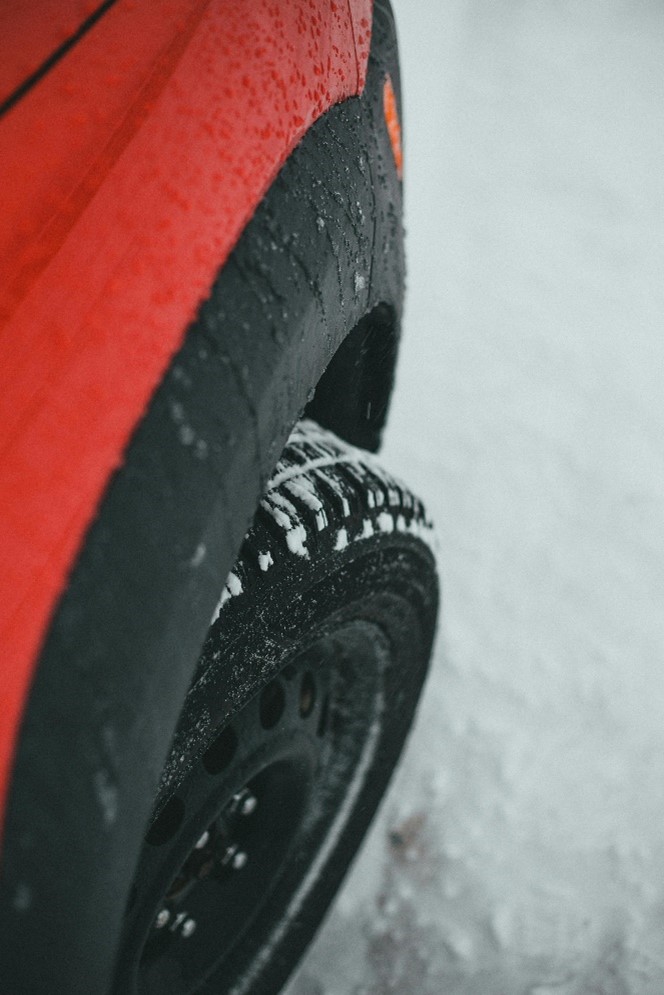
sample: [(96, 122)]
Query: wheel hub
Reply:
[(229, 850), (216, 848)]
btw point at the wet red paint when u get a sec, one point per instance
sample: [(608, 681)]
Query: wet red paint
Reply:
[(130, 171), (31, 30)]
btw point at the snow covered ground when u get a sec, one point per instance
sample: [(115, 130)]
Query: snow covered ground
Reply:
[(521, 849)]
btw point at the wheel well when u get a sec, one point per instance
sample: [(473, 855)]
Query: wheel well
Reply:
[(353, 395)]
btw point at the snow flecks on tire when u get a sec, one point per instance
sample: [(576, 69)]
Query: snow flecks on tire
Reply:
[(342, 539), (326, 492), (265, 561), (232, 588)]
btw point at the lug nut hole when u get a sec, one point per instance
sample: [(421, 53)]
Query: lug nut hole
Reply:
[(307, 695), (272, 704), (221, 751)]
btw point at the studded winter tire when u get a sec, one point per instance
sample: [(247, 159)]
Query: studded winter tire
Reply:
[(303, 695)]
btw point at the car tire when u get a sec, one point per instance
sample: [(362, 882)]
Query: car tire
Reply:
[(298, 710)]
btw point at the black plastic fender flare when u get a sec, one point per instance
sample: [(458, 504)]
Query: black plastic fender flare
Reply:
[(317, 274)]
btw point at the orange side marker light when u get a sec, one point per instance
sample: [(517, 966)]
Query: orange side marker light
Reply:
[(393, 125)]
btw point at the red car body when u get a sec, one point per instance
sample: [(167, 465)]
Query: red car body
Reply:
[(137, 139), (200, 244)]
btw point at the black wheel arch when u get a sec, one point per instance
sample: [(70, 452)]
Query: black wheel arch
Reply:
[(315, 284)]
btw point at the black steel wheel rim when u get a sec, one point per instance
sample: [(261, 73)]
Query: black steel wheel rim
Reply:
[(229, 850)]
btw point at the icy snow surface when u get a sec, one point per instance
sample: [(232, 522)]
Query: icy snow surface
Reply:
[(521, 848)]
